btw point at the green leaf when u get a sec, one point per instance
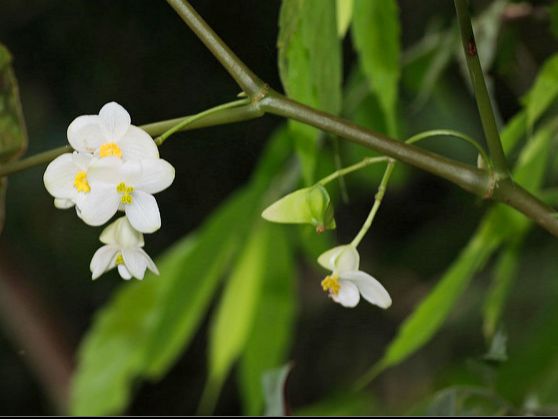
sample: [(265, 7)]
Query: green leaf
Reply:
[(274, 384), (235, 316), (376, 34), (544, 91), (272, 330), (344, 16), (505, 274), (13, 135), (310, 67)]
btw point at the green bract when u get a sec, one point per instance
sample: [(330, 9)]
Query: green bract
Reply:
[(305, 206)]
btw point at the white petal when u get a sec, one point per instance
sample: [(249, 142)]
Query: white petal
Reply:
[(136, 144), (122, 234), (150, 264), (102, 260), (61, 203), (82, 160), (99, 205), (370, 289), (86, 134), (348, 295), (155, 176), (115, 121), (340, 259), (143, 212), (60, 175), (124, 273), (135, 262), (105, 171)]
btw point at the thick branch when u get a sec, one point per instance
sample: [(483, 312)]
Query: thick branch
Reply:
[(479, 86)]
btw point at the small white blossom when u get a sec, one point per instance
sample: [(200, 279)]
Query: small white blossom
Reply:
[(127, 186), (66, 178), (111, 134), (122, 249), (346, 283)]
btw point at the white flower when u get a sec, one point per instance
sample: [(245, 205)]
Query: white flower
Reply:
[(66, 178), (123, 248), (346, 283), (128, 186), (111, 134)]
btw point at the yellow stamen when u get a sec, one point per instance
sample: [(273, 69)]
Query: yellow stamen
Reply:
[(80, 182), (110, 150), (331, 284), (126, 192), (119, 259)]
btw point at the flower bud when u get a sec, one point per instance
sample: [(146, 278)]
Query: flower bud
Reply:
[(305, 206)]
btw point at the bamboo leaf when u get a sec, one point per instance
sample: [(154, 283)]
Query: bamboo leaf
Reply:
[(544, 91), (310, 67), (344, 16), (235, 315), (274, 320), (13, 135), (376, 35)]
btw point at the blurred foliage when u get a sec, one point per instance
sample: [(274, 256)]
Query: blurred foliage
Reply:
[(473, 329)]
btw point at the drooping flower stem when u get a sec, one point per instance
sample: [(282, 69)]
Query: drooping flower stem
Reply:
[(377, 202), (191, 119), (367, 161)]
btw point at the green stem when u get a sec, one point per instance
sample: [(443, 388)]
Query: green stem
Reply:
[(191, 119), (377, 202), (32, 161), (353, 168), (451, 133), (222, 117), (479, 87)]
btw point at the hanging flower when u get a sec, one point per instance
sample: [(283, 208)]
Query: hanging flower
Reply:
[(111, 134), (66, 179), (346, 283), (122, 249), (127, 186)]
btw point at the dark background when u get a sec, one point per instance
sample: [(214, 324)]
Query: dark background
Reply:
[(71, 57)]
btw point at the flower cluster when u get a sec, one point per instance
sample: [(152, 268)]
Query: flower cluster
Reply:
[(115, 167)]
